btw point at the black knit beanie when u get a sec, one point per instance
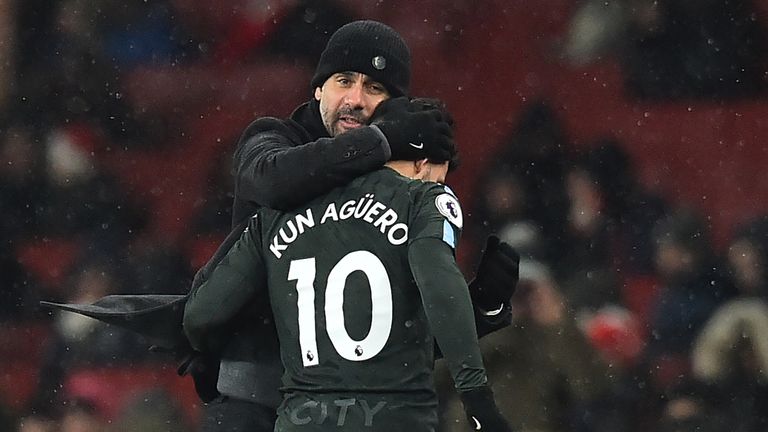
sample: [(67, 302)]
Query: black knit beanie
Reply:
[(368, 47)]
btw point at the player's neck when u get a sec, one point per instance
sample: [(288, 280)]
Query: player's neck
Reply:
[(410, 169)]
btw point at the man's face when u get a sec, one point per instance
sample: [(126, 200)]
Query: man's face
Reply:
[(347, 100)]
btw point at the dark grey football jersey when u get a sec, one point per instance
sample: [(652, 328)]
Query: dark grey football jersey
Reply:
[(348, 313)]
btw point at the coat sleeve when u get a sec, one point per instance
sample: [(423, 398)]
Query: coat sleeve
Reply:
[(275, 168), (231, 284)]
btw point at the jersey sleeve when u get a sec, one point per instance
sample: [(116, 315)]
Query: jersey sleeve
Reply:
[(233, 282), (448, 308), (438, 215)]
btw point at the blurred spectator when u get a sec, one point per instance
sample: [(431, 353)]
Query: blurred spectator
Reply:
[(594, 30), (75, 415), (673, 49), (694, 49), (19, 294), (22, 177), (586, 273), (615, 333), (37, 423), (526, 181), (693, 285), (81, 416), (748, 258), (140, 33), (81, 200), (731, 352), (503, 210), (80, 342), (543, 372), (293, 30), (60, 43), (691, 407), (631, 212)]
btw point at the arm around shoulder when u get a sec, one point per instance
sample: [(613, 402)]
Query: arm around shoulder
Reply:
[(279, 166)]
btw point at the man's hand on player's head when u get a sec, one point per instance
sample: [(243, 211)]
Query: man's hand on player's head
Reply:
[(415, 130), (424, 103)]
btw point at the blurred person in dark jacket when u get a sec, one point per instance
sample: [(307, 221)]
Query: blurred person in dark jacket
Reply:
[(79, 342), (631, 210), (525, 182), (586, 273), (82, 200), (543, 371), (22, 185), (693, 282), (22, 177), (747, 258), (730, 353)]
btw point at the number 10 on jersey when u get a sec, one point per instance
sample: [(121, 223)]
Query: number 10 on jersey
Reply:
[(303, 271)]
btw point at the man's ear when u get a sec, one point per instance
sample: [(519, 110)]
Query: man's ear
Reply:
[(318, 92), (420, 166)]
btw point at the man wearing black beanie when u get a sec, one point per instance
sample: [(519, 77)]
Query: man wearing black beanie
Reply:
[(359, 119)]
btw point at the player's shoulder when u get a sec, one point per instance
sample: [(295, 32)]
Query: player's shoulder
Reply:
[(383, 178), (421, 190), (415, 187), (441, 198), (422, 187)]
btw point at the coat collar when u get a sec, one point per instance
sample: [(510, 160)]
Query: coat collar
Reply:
[(308, 116)]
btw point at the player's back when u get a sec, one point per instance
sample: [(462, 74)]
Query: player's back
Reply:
[(354, 338)]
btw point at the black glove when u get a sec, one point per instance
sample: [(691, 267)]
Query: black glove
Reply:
[(205, 374), (414, 130), (422, 103), (482, 412), (497, 275)]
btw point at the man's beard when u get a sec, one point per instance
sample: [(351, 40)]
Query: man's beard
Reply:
[(348, 112)]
